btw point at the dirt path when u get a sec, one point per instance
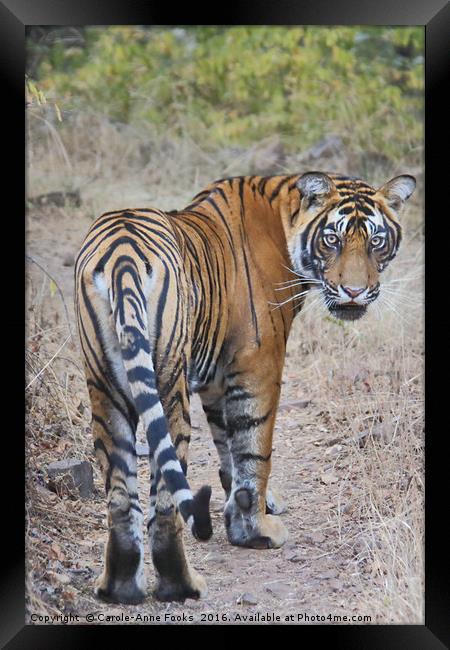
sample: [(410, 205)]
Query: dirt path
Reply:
[(317, 573)]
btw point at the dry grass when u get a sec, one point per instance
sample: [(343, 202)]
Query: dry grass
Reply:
[(365, 378), (114, 165), (368, 379), (56, 428)]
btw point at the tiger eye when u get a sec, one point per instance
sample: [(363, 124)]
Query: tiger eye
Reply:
[(331, 240)]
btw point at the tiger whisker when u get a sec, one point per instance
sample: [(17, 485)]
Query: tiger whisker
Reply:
[(388, 303), (396, 291), (408, 278), (294, 297), (404, 299), (300, 284), (377, 310), (311, 305), (290, 299), (292, 271), (299, 281), (300, 275), (400, 294)]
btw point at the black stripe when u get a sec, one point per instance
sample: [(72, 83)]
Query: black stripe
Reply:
[(239, 423), (119, 442), (145, 401), (136, 341), (250, 293), (143, 375), (237, 393), (277, 189), (215, 416), (131, 416), (254, 457)]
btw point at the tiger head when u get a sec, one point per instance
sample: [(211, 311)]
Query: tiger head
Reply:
[(343, 235)]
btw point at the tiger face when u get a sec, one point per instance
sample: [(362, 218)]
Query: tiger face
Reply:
[(344, 235)]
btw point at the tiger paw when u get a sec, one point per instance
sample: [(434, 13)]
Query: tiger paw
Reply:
[(192, 587), (250, 528), (123, 579), (127, 592), (269, 532), (275, 504)]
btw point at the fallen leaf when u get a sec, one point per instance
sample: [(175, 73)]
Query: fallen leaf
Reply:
[(56, 551), (61, 578)]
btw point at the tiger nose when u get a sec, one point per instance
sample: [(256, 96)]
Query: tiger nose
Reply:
[(353, 292)]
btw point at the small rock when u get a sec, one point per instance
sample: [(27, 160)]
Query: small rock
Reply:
[(289, 546), (279, 590), (115, 611), (294, 404), (215, 557), (71, 475), (315, 537), (69, 260), (333, 441), (59, 199), (77, 571), (334, 451), (380, 431), (247, 599), (329, 575), (362, 437), (293, 556), (346, 508), (328, 478)]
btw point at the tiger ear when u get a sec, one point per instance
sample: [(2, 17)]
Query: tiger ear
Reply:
[(316, 188), (397, 191)]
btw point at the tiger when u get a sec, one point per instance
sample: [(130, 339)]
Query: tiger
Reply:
[(174, 303)]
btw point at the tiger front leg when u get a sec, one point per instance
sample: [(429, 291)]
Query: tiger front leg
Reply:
[(250, 421), (214, 409)]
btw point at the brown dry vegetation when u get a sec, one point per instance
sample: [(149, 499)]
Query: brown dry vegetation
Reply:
[(350, 462)]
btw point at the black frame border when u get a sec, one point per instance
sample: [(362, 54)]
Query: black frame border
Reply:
[(434, 15)]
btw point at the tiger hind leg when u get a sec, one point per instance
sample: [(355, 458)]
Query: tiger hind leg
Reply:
[(123, 578), (176, 579)]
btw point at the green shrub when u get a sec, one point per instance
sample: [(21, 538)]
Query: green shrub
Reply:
[(238, 85)]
